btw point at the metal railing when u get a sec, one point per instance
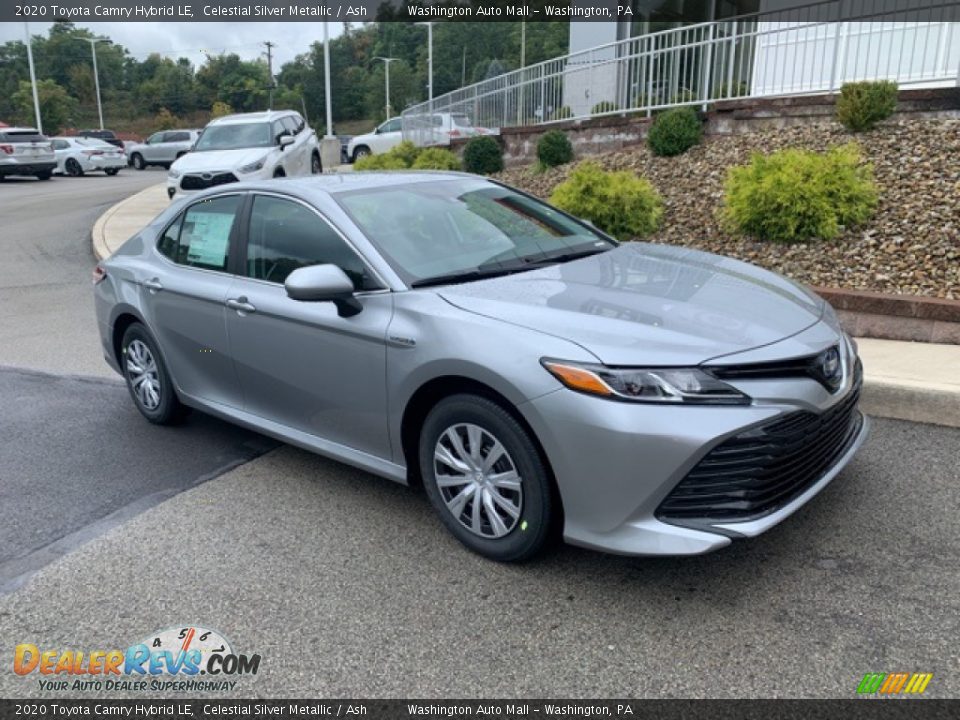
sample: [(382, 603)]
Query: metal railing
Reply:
[(802, 50)]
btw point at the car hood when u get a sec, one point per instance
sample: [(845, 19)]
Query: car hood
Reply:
[(643, 304), (219, 159), (362, 138)]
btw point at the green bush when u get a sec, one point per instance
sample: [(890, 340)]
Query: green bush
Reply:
[(406, 151), (619, 203), (437, 159), (675, 131), (862, 105), (799, 194), (604, 106), (562, 113), (383, 161), (483, 156), (554, 149)]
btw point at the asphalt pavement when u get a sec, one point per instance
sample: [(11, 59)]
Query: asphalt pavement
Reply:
[(347, 585)]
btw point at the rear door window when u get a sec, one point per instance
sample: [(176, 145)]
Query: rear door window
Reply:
[(200, 237)]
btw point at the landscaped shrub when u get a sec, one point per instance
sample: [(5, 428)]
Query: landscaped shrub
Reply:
[(406, 151), (383, 161), (675, 131), (554, 149), (562, 113), (619, 203), (799, 194), (482, 156), (862, 105), (604, 106), (437, 159)]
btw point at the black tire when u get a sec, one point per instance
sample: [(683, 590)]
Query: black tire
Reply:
[(72, 168), (316, 167), (168, 409), (180, 155), (360, 151), (45, 175), (279, 172), (137, 161), (112, 171), (538, 512)]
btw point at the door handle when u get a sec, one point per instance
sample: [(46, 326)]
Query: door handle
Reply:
[(240, 304), (153, 285)]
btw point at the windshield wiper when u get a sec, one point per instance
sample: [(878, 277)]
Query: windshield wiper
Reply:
[(562, 256), (479, 273)]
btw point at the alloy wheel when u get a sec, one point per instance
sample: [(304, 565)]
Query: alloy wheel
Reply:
[(144, 375), (478, 480), (315, 167)]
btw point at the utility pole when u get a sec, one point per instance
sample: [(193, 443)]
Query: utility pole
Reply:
[(33, 79), (269, 45), (386, 67)]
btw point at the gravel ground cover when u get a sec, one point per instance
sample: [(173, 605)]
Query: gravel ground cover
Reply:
[(911, 246)]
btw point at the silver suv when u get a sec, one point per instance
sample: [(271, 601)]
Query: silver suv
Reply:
[(24, 151), (162, 148)]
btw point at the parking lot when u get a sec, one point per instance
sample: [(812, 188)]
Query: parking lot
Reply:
[(347, 585)]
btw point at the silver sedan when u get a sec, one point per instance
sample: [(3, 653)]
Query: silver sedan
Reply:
[(536, 377)]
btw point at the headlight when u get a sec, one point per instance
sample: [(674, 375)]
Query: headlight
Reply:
[(173, 174), (659, 385), (252, 167)]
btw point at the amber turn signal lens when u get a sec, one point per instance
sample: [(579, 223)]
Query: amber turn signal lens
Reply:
[(578, 379)]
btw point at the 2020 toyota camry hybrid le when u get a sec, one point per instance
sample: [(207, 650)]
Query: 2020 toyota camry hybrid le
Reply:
[(534, 375)]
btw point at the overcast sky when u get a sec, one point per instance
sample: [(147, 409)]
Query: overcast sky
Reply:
[(189, 39)]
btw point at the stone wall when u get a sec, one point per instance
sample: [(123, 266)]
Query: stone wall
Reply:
[(729, 117)]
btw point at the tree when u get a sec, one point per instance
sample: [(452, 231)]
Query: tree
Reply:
[(56, 105)]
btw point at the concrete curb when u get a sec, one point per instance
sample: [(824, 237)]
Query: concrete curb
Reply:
[(101, 236), (913, 381)]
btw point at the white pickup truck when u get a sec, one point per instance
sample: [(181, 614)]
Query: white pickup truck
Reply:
[(433, 129)]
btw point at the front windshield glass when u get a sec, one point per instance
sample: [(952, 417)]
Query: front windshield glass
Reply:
[(232, 137), (428, 230)]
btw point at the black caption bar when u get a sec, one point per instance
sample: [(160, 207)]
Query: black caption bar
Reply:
[(441, 10), (857, 709)]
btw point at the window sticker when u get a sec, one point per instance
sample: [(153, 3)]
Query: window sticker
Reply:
[(209, 238)]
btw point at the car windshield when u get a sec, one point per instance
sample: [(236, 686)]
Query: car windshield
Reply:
[(234, 136), (461, 229)]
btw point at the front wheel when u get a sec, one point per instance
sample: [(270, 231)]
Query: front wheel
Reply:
[(73, 168), (485, 478), (45, 175), (360, 152), (315, 167), (147, 378), (112, 171)]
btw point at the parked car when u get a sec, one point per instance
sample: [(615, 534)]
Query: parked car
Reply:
[(655, 400), (250, 146), (386, 136), (162, 148), (105, 135), (24, 151), (76, 156)]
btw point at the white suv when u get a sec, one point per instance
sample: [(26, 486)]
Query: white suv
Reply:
[(24, 151), (252, 146)]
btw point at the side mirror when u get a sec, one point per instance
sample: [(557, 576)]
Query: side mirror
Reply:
[(286, 140), (323, 283)]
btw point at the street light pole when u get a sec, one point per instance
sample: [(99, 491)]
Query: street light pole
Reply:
[(33, 79), (429, 58), (96, 74), (326, 80), (386, 67)]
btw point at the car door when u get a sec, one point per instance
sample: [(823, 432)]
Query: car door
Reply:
[(61, 151), (388, 136), (183, 295), (176, 143), (300, 363), (153, 149)]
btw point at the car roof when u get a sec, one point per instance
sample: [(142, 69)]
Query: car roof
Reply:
[(264, 116), (335, 183), (19, 130)]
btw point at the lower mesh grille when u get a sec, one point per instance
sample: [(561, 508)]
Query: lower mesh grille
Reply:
[(198, 182), (759, 471)]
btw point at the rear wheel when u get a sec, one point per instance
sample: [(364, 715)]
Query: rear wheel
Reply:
[(147, 378), (279, 172), (73, 168), (112, 171), (45, 175), (137, 160), (485, 478)]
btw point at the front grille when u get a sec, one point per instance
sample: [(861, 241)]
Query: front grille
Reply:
[(198, 182), (763, 469)]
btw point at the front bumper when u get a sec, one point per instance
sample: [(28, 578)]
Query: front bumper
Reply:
[(617, 462)]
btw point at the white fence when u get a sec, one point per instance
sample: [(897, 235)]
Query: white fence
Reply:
[(803, 50)]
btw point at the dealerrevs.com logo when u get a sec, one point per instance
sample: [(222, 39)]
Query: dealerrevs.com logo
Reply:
[(178, 659)]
